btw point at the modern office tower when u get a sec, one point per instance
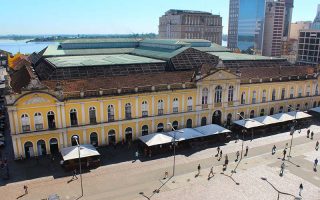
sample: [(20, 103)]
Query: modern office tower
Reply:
[(287, 18), (188, 24), (233, 24), (273, 28), (316, 21), (309, 47)]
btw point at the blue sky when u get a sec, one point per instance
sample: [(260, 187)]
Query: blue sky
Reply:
[(108, 17)]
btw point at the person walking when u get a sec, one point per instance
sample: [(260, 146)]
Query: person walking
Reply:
[(237, 154), (74, 174), (286, 146), (274, 148), (25, 187), (282, 169), (317, 146), (136, 155), (199, 168), (220, 155), (300, 189), (311, 135), (247, 149), (210, 173), (218, 151), (308, 133), (165, 175), (284, 154), (226, 162), (315, 164)]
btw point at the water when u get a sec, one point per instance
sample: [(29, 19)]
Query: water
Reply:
[(15, 46)]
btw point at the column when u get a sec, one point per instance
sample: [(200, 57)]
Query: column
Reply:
[(137, 130), (182, 122), (13, 129), (84, 135), (120, 132), (65, 139), (119, 110), (15, 116), (20, 149), (152, 126), (166, 127), (182, 110), (168, 105), (137, 107), (14, 145), (63, 116), (152, 104), (101, 112), (103, 140), (61, 140), (83, 114), (58, 116)]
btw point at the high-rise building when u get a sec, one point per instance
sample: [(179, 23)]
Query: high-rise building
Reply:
[(287, 18), (246, 19), (188, 24), (316, 21), (309, 47), (297, 26), (273, 28)]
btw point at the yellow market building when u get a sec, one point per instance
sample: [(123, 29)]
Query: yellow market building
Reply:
[(108, 91)]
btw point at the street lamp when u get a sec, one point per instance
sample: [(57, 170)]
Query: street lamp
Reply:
[(76, 139), (174, 147), (243, 131), (292, 129)]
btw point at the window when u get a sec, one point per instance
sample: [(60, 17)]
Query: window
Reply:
[(51, 121), (110, 113), (189, 123), (94, 139), (298, 107), (264, 96), (73, 117), (283, 93), (218, 94), (203, 121), (271, 111), (92, 115), (281, 109), (128, 134), (289, 108), (204, 101), (273, 95), (145, 130), (128, 111), (241, 115), (308, 91), (160, 127), (306, 105), (316, 92), (229, 118), (252, 114), (189, 104), (144, 109), (262, 112), (175, 105), (38, 121), (160, 107), (291, 93), (254, 97), (300, 92), (112, 137), (75, 140), (25, 121), (230, 94), (314, 104), (175, 125), (243, 98)]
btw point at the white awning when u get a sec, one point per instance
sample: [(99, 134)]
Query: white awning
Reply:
[(156, 139), (298, 114), (283, 117), (316, 109), (248, 123), (266, 120), (211, 129), (86, 150), (184, 134)]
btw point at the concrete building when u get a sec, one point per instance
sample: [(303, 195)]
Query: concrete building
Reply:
[(273, 28), (297, 26), (187, 24), (108, 91), (309, 47)]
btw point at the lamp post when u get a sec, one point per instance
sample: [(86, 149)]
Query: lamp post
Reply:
[(76, 139), (292, 129), (243, 132), (174, 147)]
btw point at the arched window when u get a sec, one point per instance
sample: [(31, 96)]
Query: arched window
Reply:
[(112, 137), (264, 96), (273, 95), (128, 111), (252, 114), (204, 96), (262, 112), (42, 150), (298, 107), (175, 125), (283, 93), (175, 105), (92, 115), (229, 118), (160, 107), (254, 97), (73, 117), (308, 90), (241, 115), (160, 127), (54, 148), (145, 130), (281, 109), (128, 134), (230, 93), (203, 121), (94, 139), (316, 92), (243, 98), (306, 106), (218, 94), (314, 104), (144, 109), (189, 123), (28, 149), (51, 120), (272, 111), (25, 121), (291, 93), (190, 103), (300, 92), (74, 140), (38, 121), (110, 113)]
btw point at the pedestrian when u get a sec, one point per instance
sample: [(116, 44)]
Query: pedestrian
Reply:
[(282, 169), (210, 173), (165, 175), (220, 155), (312, 135), (199, 168), (274, 148), (74, 174), (218, 151), (315, 164), (308, 133), (247, 149), (317, 146), (286, 146), (284, 154), (237, 154), (25, 189), (136, 155), (300, 189), (226, 161)]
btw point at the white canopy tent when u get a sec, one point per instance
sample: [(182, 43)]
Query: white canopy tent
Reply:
[(211, 129), (283, 117), (298, 114), (248, 123), (266, 120), (316, 109), (185, 134), (86, 150), (156, 139)]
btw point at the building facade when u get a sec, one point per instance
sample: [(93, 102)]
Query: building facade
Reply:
[(316, 22), (297, 26), (117, 96), (309, 47), (187, 24)]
